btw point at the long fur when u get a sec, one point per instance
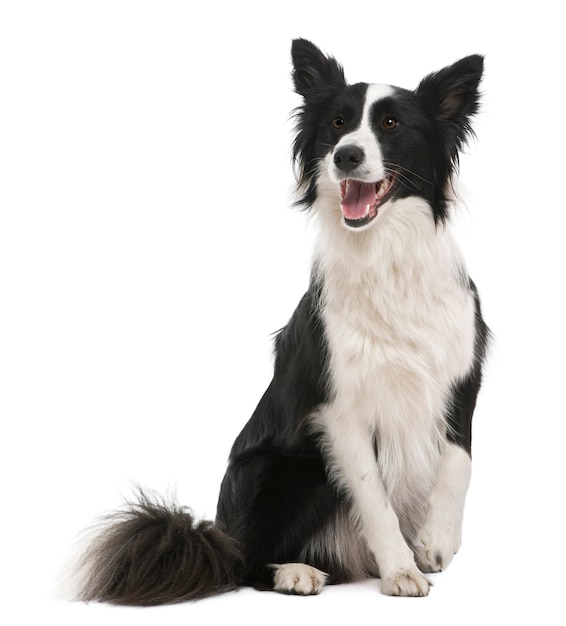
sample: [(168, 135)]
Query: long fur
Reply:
[(136, 551), (356, 460)]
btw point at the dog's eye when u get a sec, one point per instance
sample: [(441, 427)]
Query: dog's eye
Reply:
[(390, 123), (338, 122)]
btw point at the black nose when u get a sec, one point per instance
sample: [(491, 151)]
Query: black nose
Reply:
[(347, 158)]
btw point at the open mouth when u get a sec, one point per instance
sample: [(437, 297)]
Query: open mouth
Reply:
[(361, 201)]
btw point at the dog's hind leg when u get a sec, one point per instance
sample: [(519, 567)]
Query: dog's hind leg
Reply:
[(298, 579), (272, 505)]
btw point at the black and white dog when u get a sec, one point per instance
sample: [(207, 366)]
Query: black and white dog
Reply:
[(356, 461)]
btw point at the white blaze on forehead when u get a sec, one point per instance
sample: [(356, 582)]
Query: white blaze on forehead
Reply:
[(373, 95), (372, 169)]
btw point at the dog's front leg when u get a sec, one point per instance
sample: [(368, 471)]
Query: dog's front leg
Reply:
[(353, 461), (441, 534)]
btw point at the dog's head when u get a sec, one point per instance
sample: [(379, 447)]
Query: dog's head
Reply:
[(371, 144)]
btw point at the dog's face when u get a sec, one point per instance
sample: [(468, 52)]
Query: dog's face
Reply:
[(373, 144)]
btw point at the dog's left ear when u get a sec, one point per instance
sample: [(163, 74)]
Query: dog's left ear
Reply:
[(452, 94)]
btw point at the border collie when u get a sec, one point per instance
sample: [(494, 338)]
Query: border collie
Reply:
[(356, 461)]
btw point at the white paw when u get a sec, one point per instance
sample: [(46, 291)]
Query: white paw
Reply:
[(435, 549), (298, 578), (406, 582), (434, 557)]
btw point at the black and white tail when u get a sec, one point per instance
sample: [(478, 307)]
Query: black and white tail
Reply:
[(154, 552)]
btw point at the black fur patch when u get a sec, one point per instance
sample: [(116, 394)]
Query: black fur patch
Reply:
[(155, 553)]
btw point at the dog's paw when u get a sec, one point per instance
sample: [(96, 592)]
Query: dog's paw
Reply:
[(298, 578), (434, 557), (435, 551), (406, 582)]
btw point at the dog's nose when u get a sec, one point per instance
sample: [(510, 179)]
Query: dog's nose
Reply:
[(347, 158)]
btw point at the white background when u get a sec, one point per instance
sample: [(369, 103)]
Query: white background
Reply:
[(147, 251)]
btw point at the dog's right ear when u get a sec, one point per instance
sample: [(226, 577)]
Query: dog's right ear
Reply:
[(312, 70)]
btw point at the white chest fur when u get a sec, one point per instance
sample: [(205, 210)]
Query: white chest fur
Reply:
[(399, 319)]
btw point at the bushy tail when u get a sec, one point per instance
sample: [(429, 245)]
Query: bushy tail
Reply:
[(155, 553)]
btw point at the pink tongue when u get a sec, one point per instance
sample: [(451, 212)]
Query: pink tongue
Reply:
[(358, 196)]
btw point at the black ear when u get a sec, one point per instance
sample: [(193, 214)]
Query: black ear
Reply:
[(312, 69), (452, 94)]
